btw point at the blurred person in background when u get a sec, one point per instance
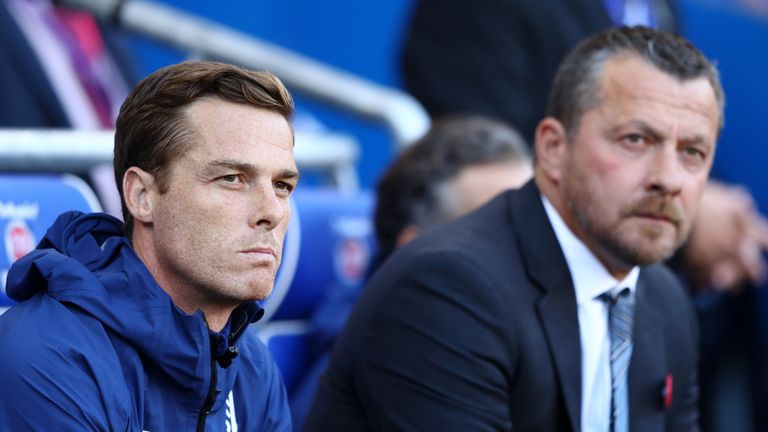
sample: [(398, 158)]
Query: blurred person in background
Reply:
[(498, 57), (460, 164), (144, 325), (60, 69)]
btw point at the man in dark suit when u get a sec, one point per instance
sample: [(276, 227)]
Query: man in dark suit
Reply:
[(546, 309)]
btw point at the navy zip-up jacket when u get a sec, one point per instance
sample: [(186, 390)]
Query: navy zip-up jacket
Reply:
[(96, 345)]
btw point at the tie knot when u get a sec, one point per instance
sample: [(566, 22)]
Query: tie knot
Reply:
[(613, 297)]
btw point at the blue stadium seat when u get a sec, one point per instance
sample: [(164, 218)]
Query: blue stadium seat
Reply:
[(327, 250), (28, 206)]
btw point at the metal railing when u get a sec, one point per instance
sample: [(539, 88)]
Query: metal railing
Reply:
[(399, 112), (48, 150)]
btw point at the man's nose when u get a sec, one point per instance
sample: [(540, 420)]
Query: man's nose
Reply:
[(666, 171), (267, 209)]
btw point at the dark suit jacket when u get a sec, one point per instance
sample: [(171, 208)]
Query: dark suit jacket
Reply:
[(474, 327), (497, 57)]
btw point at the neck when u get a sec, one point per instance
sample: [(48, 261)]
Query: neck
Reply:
[(185, 298), (216, 320), (617, 268)]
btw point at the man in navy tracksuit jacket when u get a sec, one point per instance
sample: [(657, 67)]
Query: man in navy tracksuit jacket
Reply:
[(142, 326)]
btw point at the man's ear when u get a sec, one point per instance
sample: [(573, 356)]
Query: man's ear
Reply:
[(139, 191), (551, 148)]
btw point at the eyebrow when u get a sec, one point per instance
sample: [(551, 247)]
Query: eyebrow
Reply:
[(656, 134), (644, 127), (215, 166), (697, 140)]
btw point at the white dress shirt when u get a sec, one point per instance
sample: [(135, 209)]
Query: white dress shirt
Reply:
[(590, 280)]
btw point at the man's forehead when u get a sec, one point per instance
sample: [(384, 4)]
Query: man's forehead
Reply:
[(632, 78), (212, 113), (259, 157), (258, 143)]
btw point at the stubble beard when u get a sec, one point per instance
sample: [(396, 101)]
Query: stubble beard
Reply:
[(637, 248)]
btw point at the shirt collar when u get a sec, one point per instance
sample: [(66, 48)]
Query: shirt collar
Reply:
[(590, 277)]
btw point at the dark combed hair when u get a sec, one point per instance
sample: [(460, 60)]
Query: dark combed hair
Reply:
[(152, 130), (407, 193), (575, 88)]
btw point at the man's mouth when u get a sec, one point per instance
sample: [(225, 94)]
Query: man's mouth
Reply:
[(264, 252), (658, 217)]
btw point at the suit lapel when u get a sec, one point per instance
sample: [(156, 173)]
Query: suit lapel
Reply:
[(557, 312), (648, 368), (546, 266)]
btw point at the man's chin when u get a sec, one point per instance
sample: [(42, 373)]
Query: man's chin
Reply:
[(651, 254), (259, 291)]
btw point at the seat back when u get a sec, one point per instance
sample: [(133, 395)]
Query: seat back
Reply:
[(329, 245), (327, 249), (29, 204)]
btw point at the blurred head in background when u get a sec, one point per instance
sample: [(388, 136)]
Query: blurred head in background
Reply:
[(460, 164)]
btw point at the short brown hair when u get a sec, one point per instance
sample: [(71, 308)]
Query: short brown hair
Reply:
[(151, 129), (408, 192), (575, 88)]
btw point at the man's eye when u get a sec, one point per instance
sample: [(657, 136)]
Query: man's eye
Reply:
[(283, 186), (634, 138), (231, 178), (694, 152)]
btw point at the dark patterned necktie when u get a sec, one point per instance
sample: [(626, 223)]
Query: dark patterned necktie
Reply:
[(621, 310)]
